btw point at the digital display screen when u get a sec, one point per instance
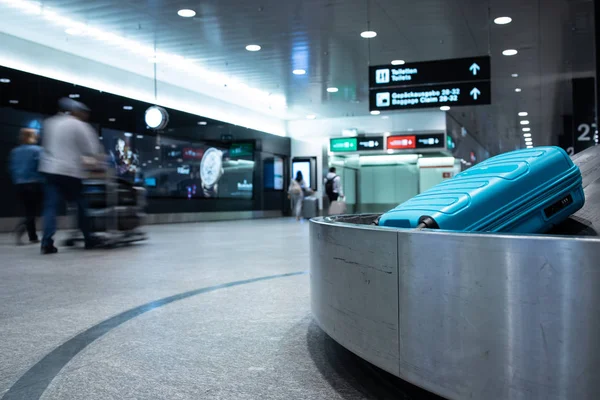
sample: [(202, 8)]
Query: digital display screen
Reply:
[(150, 182), (171, 167), (401, 142), (304, 167), (273, 173)]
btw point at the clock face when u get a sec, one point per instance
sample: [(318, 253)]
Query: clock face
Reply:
[(210, 167)]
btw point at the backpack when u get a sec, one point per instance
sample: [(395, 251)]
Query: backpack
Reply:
[(329, 186), (295, 187)]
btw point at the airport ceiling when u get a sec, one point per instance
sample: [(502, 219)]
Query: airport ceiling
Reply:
[(555, 40)]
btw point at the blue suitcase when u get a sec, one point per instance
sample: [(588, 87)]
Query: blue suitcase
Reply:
[(524, 191)]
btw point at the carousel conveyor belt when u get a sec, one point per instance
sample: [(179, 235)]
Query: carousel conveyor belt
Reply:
[(467, 315)]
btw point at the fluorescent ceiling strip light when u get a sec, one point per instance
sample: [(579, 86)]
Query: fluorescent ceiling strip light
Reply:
[(388, 159), (173, 60), (436, 162), (174, 102)]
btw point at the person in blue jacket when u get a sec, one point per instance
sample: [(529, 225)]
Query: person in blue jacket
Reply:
[(23, 165)]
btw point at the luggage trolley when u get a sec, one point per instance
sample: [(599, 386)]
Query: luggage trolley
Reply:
[(115, 210)]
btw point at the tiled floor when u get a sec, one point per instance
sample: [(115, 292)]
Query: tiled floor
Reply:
[(66, 332)]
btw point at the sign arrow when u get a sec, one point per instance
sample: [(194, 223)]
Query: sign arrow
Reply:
[(475, 93), (474, 68)]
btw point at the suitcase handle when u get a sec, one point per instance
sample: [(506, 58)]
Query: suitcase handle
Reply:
[(426, 222)]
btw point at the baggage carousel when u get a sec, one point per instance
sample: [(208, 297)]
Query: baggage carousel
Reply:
[(478, 316)]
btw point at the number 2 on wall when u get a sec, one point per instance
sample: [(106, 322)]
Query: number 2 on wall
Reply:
[(570, 151), (585, 130)]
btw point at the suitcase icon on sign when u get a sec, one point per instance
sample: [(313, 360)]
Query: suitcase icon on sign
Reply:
[(382, 99)]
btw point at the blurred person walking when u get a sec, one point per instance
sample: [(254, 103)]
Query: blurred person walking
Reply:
[(23, 165), (296, 194), (69, 142), (333, 185)]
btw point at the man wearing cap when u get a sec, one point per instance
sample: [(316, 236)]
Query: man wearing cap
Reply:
[(67, 140)]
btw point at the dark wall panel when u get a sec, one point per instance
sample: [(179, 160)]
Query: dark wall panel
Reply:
[(28, 99)]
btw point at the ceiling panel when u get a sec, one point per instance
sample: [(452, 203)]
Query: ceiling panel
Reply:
[(554, 39)]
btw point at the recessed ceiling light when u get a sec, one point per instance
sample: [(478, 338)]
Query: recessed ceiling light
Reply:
[(368, 34), (332, 90), (311, 116), (445, 108), (186, 13), (299, 72), (140, 136), (128, 134), (527, 135), (202, 123), (526, 129), (503, 20), (112, 119), (128, 108), (375, 112), (523, 114), (74, 96), (528, 139), (398, 62), (4, 80), (157, 147), (253, 47), (525, 122), (518, 90), (530, 147), (13, 101), (510, 52), (515, 75)]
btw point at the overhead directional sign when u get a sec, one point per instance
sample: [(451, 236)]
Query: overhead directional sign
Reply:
[(402, 142), (343, 145), (431, 141), (458, 94), (370, 143), (419, 141), (431, 72)]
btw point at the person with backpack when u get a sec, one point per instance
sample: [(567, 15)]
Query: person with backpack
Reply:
[(296, 194), (333, 186)]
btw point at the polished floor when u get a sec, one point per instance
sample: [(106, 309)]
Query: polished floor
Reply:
[(199, 311)]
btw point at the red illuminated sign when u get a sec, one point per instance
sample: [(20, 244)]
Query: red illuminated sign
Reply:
[(190, 153), (401, 142)]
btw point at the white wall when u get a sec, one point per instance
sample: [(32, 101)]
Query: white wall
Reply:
[(41, 60), (397, 122)]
